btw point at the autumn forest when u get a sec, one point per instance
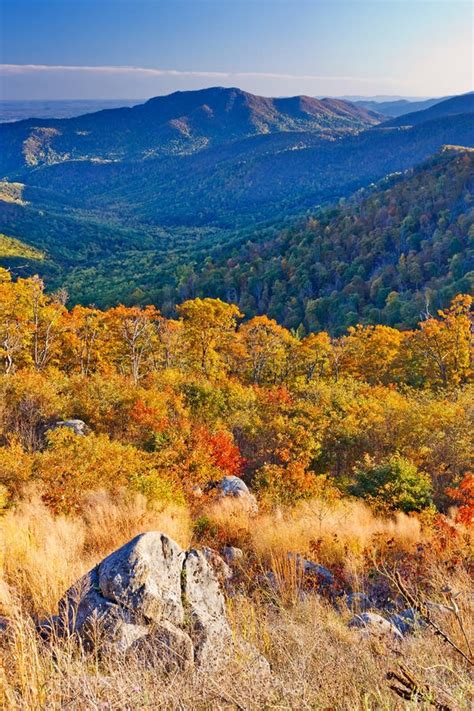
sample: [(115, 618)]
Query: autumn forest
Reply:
[(175, 404)]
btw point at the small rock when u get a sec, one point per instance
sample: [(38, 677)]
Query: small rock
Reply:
[(234, 486), (79, 427), (406, 621), (324, 575), (4, 624), (268, 580), (374, 624)]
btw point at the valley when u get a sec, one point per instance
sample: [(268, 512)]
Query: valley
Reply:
[(166, 200)]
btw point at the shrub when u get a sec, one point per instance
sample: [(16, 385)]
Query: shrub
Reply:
[(284, 485), (394, 483), (72, 465)]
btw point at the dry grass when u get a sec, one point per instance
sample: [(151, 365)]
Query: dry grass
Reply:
[(41, 555), (341, 532), (317, 662)]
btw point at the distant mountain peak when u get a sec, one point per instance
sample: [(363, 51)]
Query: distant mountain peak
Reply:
[(183, 122)]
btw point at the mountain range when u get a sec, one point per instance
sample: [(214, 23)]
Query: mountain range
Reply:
[(397, 107), (178, 124), (128, 203)]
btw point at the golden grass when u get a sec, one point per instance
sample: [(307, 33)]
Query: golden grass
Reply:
[(341, 532), (41, 555), (316, 661)]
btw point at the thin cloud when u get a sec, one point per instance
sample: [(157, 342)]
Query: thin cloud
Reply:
[(18, 69)]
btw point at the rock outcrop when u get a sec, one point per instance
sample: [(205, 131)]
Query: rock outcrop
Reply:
[(151, 595)]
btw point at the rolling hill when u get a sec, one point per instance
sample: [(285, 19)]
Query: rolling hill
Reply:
[(398, 107), (237, 184), (462, 104)]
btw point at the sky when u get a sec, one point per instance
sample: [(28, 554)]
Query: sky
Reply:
[(85, 49)]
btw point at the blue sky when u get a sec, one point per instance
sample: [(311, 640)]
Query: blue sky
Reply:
[(140, 48)]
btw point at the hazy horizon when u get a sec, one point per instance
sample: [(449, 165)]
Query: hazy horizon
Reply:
[(347, 97)]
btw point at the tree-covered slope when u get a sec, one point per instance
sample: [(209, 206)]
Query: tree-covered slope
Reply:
[(384, 257), (389, 253), (449, 107), (177, 124), (11, 248)]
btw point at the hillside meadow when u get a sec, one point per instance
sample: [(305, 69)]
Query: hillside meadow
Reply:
[(358, 450)]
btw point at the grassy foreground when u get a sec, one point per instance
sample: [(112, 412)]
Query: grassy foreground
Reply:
[(317, 661)]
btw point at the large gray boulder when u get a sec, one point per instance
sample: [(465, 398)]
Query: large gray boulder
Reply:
[(145, 576), (150, 597), (205, 607), (95, 619)]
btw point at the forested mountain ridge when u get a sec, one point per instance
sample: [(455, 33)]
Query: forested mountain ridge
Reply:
[(398, 107), (162, 229), (385, 256), (176, 124), (449, 107)]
